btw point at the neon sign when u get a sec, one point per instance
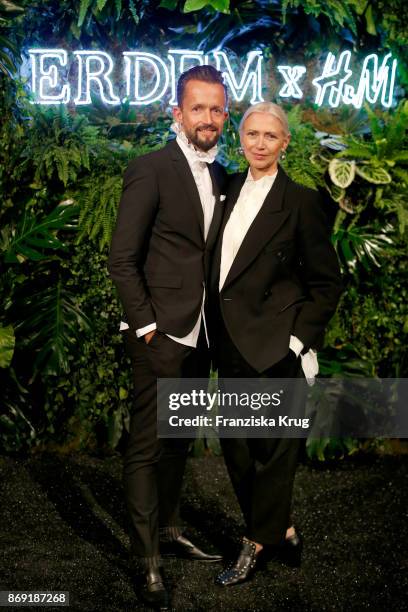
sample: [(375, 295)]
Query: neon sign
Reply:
[(147, 78), (375, 80)]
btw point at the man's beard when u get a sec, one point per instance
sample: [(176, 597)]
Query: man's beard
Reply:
[(202, 143)]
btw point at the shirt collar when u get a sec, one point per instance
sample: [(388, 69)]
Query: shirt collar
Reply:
[(193, 154), (265, 181)]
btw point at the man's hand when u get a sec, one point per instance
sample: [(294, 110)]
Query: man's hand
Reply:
[(147, 337)]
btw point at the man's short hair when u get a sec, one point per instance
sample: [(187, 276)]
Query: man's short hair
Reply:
[(207, 74)]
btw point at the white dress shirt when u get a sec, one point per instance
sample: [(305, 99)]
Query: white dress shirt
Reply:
[(197, 160), (248, 205)]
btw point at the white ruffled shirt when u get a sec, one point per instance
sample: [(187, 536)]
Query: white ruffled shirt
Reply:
[(248, 205)]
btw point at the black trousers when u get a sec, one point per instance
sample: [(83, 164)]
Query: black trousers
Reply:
[(262, 470), (154, 468)]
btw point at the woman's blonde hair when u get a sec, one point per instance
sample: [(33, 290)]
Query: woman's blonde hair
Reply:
[(269, 108)]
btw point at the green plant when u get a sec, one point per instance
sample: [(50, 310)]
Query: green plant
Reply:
[(9, 52), (32, 238), (340, 14), (53, 255), (7, 343), (60, 146)]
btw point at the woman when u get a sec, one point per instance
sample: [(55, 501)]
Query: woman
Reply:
[(275, 285)]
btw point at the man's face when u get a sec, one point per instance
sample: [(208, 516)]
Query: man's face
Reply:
[(202, 113)]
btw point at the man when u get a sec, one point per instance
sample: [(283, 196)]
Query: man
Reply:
[(168, 221)]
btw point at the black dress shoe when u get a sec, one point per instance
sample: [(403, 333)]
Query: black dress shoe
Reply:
[(153, 592), (182, 547), (290, 552), (242, 569)]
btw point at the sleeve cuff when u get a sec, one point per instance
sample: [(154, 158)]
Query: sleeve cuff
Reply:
[(145, 330), (296, 345)]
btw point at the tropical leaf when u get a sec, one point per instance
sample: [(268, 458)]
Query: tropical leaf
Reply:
[(223, 6), (401, 156), (7, 342), (397, 203), (33, 237), (373, 174), (357, 150), (337, 193), (359, 244), (9, 51), (340, 14), (342, 172), (83, 9), (196, 5), (401, 173), (52, 324), (171, 5), (347, 204), (100, 4)]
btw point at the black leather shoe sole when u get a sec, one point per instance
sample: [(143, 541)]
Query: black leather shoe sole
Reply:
[(287, 553), (184, 551)]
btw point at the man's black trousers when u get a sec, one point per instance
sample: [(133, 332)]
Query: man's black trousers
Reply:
[(154, 468)]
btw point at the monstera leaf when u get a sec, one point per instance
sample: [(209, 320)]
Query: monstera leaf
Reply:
[(360, 244), (342, 172), (52, 325), (33, 237)]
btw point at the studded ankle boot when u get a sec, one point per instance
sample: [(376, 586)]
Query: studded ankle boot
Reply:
[(241, 569)]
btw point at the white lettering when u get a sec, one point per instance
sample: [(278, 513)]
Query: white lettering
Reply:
[(148, 78), (291, 74), (45, 76), (180, 61), (254, 77), (134, 77), (94, 67)]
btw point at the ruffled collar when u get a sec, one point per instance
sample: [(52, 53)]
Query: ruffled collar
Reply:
[(194, 154)]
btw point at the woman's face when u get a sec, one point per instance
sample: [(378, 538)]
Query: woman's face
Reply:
[(262, 139)]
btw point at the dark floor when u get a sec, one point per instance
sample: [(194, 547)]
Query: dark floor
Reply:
[(62, 527)]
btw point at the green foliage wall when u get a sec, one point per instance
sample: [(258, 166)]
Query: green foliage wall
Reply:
[(63, 373)]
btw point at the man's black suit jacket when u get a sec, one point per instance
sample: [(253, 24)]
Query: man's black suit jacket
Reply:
[(159, 260), (285, 278)]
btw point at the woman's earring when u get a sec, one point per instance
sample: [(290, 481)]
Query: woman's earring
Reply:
[(283, 154), (240, 150)]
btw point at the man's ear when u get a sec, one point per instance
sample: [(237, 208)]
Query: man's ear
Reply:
[(178, 114)]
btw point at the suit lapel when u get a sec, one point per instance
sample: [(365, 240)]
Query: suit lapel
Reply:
[(187, 181), (265, 225), (233, 193), (218, 209)]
